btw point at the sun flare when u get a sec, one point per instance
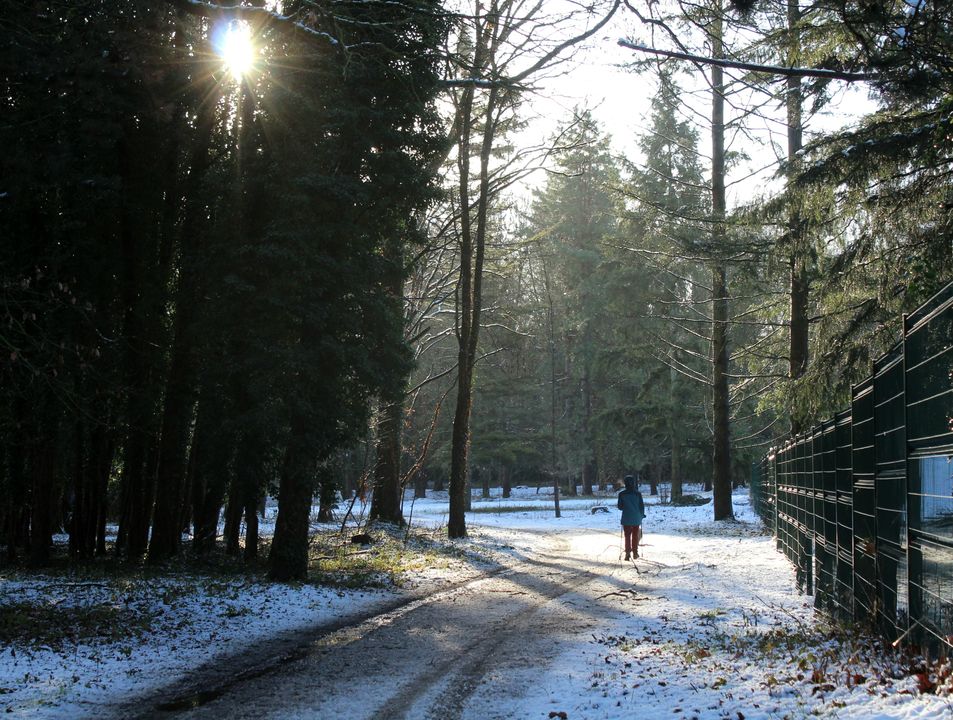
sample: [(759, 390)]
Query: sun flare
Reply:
[(237, 50)]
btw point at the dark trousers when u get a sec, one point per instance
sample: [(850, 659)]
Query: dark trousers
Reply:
[(631, 537)]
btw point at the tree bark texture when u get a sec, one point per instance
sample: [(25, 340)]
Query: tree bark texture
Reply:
[(210, 457), (721, 455), (288, 559), (385, 504), (472, 251), (799, 281)]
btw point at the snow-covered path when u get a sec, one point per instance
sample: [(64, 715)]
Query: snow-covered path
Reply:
[(428, 659), (707, 624)]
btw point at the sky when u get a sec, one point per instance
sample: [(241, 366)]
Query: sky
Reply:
[(598, 78)]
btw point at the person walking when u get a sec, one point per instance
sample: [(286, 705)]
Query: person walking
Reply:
[(633, 512)]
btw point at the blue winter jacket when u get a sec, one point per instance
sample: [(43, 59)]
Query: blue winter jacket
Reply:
[(632, 507)]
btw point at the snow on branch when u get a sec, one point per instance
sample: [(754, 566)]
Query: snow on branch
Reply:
[(754, 67)]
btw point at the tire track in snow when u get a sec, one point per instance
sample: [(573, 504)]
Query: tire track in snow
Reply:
[(424, 659), (437, 697)]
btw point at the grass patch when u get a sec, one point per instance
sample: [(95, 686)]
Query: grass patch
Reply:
[(387, 562), (52, 625)]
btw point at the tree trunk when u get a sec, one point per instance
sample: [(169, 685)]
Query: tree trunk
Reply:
[(16, 505), (721, 455), (799, 288), (288, 559), (385, 504), (138, 294), (79, 518), (326, 494), (232, 533), (251, 526), (42, 474), (210, 453), (173, 446), (420, 485), (472, 251), (674, 430), (505, 481), (180, 391), (104, 449), (590, 467), (676, 470)]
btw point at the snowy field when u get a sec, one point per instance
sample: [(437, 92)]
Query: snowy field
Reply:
[(707, 624)]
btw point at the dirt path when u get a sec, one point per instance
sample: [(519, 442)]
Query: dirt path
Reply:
[(430, 658)]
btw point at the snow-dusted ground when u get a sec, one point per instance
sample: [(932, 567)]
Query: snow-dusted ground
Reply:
[(708, 624)]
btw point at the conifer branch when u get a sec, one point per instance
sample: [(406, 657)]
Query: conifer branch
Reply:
[(822, 73), (260, 16)]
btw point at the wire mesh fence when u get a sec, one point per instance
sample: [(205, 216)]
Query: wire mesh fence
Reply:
[(862, 504)]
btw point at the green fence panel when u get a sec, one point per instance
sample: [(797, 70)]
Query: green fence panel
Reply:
[(825, 521), (928, 335), (890, 480), (844, 584), (864, 504)]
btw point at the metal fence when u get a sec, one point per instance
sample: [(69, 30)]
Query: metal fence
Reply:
[(862, 504)]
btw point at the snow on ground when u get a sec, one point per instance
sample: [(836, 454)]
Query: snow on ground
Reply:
[(708, 624), (151, 632)]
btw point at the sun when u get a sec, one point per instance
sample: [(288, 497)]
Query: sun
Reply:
[(236, 49)]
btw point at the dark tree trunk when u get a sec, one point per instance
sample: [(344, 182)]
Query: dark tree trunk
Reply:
[(676, 470), (589, 477), (486, 475), (42, 497), (138, 295), (721, 456), (288, 559), (180, 390), (505, 481), (674, 429), (15, 507), (243, 492), (90, 479), (79, 517), (420, 485), (385, 504), (233, 518), (104, 447), (460, 449), (472, 253), (210, 456), (173, 455), (251, 527), (326, 494), (798, 261)]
